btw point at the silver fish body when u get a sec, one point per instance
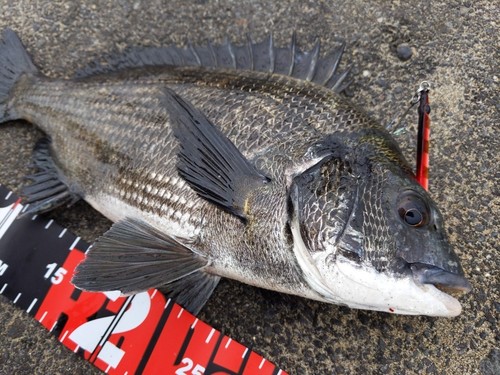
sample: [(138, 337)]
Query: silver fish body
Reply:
[(212, 172)]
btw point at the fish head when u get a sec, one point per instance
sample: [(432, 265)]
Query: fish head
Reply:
[(368, 236)]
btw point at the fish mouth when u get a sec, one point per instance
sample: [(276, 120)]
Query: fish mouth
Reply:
[(363, 287), (447, 282)]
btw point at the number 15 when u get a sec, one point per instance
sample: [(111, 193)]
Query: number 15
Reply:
[(57, 276)]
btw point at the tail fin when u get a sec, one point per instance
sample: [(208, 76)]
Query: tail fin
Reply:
[(14, 62)]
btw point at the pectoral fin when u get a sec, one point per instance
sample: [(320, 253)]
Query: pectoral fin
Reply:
[(208, 161), (133, 257)]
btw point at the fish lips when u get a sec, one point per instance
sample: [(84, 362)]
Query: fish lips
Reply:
[(443, 280)]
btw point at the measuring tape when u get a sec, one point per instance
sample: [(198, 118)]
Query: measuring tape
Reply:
[(140, 334)]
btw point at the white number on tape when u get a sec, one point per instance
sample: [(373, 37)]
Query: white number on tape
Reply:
[(90, 334), (58, 275), (188, 362)]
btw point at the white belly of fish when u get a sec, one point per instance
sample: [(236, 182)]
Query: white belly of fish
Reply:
[(177, 224)]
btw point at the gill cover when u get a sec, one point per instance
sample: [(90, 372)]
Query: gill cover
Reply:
[(325, 205)]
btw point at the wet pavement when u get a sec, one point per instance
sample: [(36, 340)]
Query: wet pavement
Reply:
[(392, 47)]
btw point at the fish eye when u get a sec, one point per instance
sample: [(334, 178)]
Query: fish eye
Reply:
[(413, 210), (413, 217)]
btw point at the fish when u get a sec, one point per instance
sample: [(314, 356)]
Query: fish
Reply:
[(232, 161)]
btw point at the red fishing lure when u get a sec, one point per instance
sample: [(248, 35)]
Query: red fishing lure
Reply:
[(424, 131)]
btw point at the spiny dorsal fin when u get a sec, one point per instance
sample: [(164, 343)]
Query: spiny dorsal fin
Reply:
[(305, 64), (262, 56), (208, 161), (133, 257)]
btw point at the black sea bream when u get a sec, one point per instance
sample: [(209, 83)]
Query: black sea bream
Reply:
[(232, 161)]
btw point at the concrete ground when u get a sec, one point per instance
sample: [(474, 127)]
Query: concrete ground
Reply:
[(454, 44)]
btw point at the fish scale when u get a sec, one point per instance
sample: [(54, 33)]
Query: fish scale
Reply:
[(118, 134), (209, 171)]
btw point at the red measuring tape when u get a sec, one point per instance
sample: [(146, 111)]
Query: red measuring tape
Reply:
[(140, 334)]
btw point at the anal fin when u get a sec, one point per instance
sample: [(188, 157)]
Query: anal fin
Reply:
[(47, 190), (133, 257)]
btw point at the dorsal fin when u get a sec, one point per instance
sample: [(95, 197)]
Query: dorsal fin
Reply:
[(262, 56)]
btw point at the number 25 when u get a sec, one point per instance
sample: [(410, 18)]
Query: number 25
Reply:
[(197, 370)]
